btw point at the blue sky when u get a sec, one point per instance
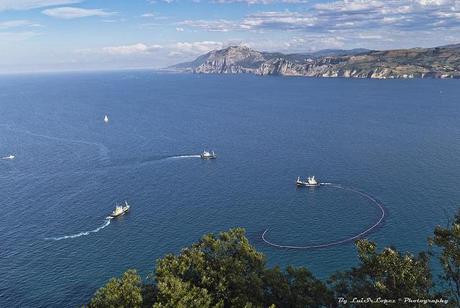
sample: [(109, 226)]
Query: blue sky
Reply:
[(38, 35)]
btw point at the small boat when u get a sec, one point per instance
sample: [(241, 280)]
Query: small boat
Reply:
[(106, 119), (208, 155), (310, 182), (11, 157), (120, 210)]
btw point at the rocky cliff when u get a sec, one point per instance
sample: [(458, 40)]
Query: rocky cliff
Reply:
[(439, 62)]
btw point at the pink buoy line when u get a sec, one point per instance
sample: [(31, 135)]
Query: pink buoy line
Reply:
[(338, 242)]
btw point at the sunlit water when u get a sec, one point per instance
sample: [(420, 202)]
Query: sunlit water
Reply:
[(396, 140)]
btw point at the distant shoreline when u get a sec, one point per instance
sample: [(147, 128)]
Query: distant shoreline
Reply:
[(434, 63)]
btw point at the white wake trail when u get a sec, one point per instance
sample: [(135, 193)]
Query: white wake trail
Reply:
[(184, 156), (84, 233), (102, 149)]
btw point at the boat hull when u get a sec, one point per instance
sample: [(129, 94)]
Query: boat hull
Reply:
[(208, 157), (118, 215), (301, 184)]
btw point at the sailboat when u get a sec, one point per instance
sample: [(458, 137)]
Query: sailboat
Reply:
[(106, 119)]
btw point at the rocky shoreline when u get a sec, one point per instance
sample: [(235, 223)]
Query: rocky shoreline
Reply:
[(438, 62)]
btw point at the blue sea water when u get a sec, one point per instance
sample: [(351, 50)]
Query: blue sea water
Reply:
[(397, 140)]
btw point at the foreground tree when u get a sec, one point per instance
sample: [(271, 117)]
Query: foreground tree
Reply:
[(388, 274), (120, 292), (226, 271), (297, 287), (447, 240), (223, 270)]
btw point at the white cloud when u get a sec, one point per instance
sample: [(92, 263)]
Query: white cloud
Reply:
[(257, 21), (74, 12), (146, 15), (139, 49), (194, 48), (350, 5), (345, 15), (433, 2), (371, 36), (122, 50), (17, 23), (131, 49), (8, 37), (280, 20), (32, 4), (260, 1), (220, 25), (156, 1), (345, 23)]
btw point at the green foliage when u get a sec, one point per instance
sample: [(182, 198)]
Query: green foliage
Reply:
[(448, 240), (388, 274), (297, 287), (124, 292), (222, 270), (148, 295), (175, 292), (226, 271)]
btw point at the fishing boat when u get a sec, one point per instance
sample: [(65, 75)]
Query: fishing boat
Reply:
[(208, 155), (120, 210), (106, 119), (310, 182), (11, 157)]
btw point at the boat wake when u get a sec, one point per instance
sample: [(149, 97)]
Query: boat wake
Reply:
[(183, 156), (361, 234), (84, 233), (121, 164), (102, 149)]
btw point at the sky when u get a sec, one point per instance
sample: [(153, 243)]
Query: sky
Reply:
[(48, 35)]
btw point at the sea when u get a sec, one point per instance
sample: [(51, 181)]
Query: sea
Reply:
[(397, 141)]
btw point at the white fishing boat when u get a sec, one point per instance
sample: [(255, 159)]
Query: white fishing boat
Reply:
[(106, 119), (208, 155), (120, 210), (310, 182), (11, 157)]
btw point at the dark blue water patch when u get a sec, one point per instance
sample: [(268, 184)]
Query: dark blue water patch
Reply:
[(352, 219), (396, 140)]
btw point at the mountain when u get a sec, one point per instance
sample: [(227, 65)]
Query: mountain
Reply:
[(438, 62), (338, 52)]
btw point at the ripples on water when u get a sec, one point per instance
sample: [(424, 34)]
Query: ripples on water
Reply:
[(397, 140)]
